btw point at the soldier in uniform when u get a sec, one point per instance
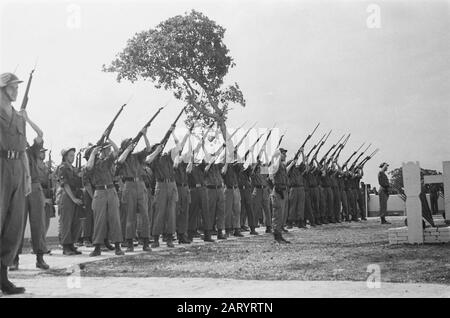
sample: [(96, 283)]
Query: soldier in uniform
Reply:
[(245, 190), (343, 193), (360, 192), (336, 194), (296, 195), (261, 197), (134, 197), (15, 178), (232, 198), (87, 223), (215, 195), (166, 194), (279, 178), (315, 194), (383, 192), (105, 202), (69, 204), (36, 204)]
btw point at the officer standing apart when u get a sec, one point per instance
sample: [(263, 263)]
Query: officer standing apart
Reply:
[(14, 181), (383, 192)]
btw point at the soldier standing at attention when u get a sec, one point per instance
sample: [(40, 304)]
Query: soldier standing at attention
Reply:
[(15, 178), (360, 192), (383, 192), (134, 195), (105, 202), (315, 193), (35, 206), (343, 193), (296, 196), (279, 178), (245, 189), (336, 193), (69, 204)]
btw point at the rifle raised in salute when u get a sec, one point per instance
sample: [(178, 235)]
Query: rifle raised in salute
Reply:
[(354, 153), (108, 129), (314, 158), (27, 90), (304, 143), (329, 150), (353, 165), (362, 163), (171, 129), (334, 157)]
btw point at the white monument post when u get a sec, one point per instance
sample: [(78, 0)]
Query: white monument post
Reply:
[(411, 182)]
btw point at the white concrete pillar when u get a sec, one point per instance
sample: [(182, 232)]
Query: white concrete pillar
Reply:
[(411, 182)]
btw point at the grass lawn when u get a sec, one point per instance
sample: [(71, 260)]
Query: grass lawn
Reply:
[(331, 252)]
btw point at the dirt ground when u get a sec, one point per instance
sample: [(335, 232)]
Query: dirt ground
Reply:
[(330, 252)]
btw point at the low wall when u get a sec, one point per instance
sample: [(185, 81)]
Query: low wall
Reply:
[(399, 235), (396, 206)]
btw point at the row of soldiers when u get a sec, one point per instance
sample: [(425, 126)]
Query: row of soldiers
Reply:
[(120, 194)]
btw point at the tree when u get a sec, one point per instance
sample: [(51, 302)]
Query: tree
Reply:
[(397, 176), (184, 54)]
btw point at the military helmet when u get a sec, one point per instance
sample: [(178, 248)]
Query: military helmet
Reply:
[(8, 79)]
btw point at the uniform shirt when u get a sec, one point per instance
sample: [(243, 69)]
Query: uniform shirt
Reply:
[(347, 182), (132, 167), (197, 175), (295, 177), (102, 172), (333, 181), (244, 177), (181, 176), (230, 177), (280, 178), (325, 181), (313, 180), (67, 174), (340, 182), (383, 180), (33, 153), (12, 131), (211, 176), (258, 179), (149, 178), (162, 167), (306, 181)]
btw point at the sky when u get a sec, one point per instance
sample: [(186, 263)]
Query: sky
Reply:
[(384, 78)]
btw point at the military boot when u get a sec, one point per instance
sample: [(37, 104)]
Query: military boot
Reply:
[(146, 245), (220, 235), (97, 251), (155, 243), (237, 233), (118, 250), (7, 287), (67, 250), (130, 246), (108, 245), (40, 263), (252, 231), (277, 237), (207, 236), (15, 266), (169, 240), (268, 229)]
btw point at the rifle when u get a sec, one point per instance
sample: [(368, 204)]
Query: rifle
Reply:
[(320, 145), (281, 139), (243, 137), (304, 143), (49, 193), (252, 147), (78, 160), (264, 144), (169, 132), (362, 163), (138, 137), (108, 129), (360, 155), (354, 153), (338, 150), (314, 147), (329, 150), (27, 90)]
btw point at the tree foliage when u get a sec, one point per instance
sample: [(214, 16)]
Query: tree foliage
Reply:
[(185, 54), (396, 175)]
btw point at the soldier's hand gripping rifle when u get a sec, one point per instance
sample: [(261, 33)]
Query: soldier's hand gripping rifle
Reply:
[(27, 90), (353, 165), (329, 150), (138, 137), (353, 154), (304, 143), (108, 129)]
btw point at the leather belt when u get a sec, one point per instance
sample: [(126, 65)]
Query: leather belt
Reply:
[(259, 187), (131, 179), (196, 186), (232, 187), (214, 186), (281, 188), (244, 187), (11, 154), (166, 180), (182, 185), (104, 187)]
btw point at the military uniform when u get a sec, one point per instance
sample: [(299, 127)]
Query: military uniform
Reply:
[(279, 197), (336, 204), (87, 223), (166, 197), (296, 197), (343, 197), (70, 225), (315, 195), (383, 193), (134, 197), (232, 199), (309, 212), (261, 198), (184, 200), (245, 190), (199, 202), (216, 198)]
